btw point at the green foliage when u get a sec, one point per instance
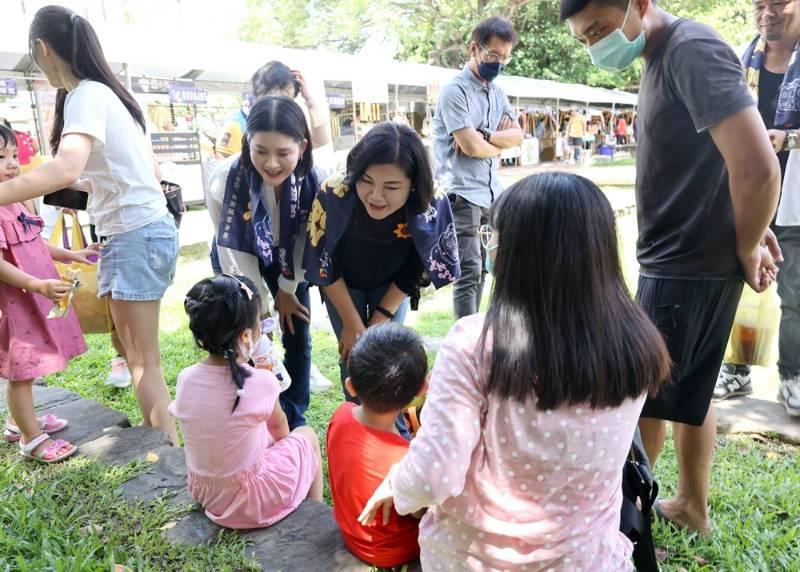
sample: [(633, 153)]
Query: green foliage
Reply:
[(70, 517), (547, 50), (437, 31)]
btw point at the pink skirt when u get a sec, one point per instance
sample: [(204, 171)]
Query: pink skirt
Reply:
[(266, 493)]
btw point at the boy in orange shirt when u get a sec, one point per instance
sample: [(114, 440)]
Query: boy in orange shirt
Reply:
[(388, 368)]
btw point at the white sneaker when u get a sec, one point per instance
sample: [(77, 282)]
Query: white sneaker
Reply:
[(733, 380), (120, 375), (318, 382), (789, 394)]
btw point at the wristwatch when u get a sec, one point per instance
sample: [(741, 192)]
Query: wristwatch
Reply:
[(487, 135), (791, 141)]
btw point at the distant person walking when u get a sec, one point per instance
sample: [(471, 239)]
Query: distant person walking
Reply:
[(576, 131), (621, 130)]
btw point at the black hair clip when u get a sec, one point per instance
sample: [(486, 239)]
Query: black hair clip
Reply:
[(229, 354)]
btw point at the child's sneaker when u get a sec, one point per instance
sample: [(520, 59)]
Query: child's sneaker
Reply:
[(318, 382), (734, 380), (120, 375), (789, 394)]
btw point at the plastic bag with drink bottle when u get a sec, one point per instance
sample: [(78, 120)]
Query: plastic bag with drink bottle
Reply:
[(269, 356)]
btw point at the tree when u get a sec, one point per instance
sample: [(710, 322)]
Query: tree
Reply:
[(547, 50), (437, 31), (341, 25)]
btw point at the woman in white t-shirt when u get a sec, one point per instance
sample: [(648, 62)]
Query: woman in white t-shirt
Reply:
[(99, 133)]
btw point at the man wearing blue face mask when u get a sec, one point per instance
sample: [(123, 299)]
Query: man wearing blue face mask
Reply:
[(706, 190), (473, 123)]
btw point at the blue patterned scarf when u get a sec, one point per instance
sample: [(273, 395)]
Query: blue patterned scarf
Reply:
[(245, 225), (433, 233), (787, 115)]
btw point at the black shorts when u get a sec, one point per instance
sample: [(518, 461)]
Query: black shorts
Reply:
[(695, 317)]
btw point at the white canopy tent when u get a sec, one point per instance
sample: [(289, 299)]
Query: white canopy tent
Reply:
[(228, 65)]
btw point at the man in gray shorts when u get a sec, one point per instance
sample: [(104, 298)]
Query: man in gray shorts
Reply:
[(706, 189), (473, 123)]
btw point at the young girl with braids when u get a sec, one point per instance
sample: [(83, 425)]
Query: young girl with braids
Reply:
[(244, 466)]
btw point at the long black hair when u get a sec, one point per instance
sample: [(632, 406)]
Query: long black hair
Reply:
[(390, 143), (282, 115), (561, 323), (220, 309), (73, 38), (274, 77)]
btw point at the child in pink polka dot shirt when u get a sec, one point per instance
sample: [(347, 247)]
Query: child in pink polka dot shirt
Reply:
[(532, 408)]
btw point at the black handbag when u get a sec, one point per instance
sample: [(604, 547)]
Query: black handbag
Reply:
[(68, 199), (174, 197), (636, 521)]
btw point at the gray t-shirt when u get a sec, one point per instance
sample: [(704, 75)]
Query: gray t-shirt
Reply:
[(466, 102), (691, 82)]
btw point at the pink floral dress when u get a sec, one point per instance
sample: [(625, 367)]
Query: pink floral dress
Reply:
[(31, 345)]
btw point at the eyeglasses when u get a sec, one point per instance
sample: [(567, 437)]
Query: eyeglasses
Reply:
[(494, 57), (485, 233)]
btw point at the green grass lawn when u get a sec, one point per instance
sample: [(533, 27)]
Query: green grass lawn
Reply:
[(47, 513), (621, 161)]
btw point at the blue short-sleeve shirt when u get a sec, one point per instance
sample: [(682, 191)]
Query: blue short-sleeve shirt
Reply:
[(466, 102)]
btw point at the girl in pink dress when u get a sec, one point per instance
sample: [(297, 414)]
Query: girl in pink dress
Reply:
[(31, 344), (244, 466)]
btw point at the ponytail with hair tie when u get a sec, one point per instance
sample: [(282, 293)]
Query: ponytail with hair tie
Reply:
[(74, 40)]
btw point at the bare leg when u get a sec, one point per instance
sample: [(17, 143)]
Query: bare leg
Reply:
[(694, 447), (117, 343), (654, 433), (137, 327), (315, 492), (19, 395)]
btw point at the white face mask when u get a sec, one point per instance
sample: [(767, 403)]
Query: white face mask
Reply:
[(246, 351)]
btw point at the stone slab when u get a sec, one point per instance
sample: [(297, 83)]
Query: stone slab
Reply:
[(88, 420), (194, 528), (307, 539), (43, 397), (119, 446), (310, 530), (747, 415), (166, 476)]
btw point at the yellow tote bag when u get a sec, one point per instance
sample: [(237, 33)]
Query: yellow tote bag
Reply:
[(93, 313)]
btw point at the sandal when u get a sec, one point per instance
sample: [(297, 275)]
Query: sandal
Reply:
[(48, 454), (48, 423)]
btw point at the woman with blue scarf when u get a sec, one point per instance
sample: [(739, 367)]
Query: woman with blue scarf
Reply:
[(376, 232), (259, 203)]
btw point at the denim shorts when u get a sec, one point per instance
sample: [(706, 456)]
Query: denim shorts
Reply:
[(139, 265)]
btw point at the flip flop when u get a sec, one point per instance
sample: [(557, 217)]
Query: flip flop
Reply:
[(48, 423)]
